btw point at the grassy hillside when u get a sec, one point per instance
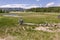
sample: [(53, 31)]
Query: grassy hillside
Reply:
[(9, 26)]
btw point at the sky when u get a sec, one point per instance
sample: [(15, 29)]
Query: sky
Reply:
[(29, 3)]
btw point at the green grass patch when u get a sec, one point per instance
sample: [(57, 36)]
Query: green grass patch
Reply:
[(7, 21)]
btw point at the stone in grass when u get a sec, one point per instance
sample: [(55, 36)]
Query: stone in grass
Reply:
[(58, 16)]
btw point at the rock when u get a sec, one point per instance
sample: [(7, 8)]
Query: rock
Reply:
[(58, 16)]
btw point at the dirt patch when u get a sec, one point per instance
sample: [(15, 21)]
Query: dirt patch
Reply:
[(43, 29), (8, 38), (47, 29)]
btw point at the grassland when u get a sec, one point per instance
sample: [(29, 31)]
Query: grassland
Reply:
[(40, 17), (10, 26)]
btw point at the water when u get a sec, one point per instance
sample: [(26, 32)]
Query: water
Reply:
[(12, 15)]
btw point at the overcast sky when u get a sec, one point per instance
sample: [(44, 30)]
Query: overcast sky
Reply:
[(29, 3)]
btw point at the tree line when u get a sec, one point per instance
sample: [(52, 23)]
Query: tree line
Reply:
[(49, 9), (3, 11)]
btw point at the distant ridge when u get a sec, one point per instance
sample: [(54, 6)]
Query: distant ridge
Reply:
[(12, 9)]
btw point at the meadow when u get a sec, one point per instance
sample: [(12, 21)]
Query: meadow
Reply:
[(9, 26)]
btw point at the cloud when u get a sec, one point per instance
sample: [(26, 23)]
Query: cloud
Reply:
[(58, 5), (37, 0), (26, 6), (32, 6), (50, 4), (13, 5)]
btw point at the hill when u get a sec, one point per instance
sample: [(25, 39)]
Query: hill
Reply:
[(12, 9)]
